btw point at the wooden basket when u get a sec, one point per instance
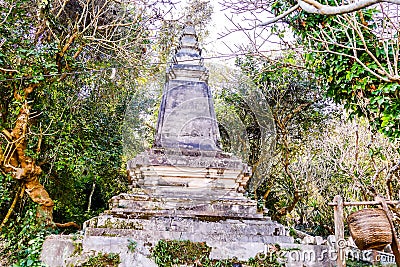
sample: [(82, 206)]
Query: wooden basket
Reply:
[(370, 229)]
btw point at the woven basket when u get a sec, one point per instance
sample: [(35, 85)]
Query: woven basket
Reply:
[(370, 229)]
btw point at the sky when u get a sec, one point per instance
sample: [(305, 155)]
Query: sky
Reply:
[(224, 49), (236, 42)]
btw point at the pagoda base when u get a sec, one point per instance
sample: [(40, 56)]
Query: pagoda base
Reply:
[(136, 222), (229, 225), (183, 169)]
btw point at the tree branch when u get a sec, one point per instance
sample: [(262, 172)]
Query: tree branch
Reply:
[(388, 179), (8, 70), (312, 6), (11, 209), (281, 16)]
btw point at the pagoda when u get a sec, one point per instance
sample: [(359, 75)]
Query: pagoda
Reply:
[(183, 188)]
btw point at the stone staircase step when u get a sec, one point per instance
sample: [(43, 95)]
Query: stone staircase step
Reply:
[(159, 223), (154, 236)]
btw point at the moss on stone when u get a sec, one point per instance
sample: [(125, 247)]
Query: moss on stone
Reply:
[(109, 234), (77, 248), (103, 260), (170, 253)]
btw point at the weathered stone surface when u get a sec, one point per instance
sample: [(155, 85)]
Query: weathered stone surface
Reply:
[(189, 203), (187, 152), (309, 255), (156, 228), (188, 158), (292, 254), (90, 246), (57, 249), (185, 188), (182, 168), (187, 118)]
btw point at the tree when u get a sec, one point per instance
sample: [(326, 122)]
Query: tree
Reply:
[(355, 55), (308, 6), (43, 46), (350, 160), (358, 64), (295, 108)]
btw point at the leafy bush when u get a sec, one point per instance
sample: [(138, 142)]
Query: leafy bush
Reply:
[(23, 239)]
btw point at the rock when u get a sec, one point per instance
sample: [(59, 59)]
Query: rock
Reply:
[(57, 249)]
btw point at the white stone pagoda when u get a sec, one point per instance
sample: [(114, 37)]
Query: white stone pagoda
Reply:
[(184, 188)]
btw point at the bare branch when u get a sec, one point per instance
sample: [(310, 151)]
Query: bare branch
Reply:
[(8, 70), (281, 16), (312, 6), (388, 179), (8, 13)]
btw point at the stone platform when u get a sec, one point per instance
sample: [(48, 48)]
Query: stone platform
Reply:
[(185, 170), (230, 225), (150, 218)]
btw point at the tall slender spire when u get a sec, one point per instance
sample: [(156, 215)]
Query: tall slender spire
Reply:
[(187, 63), (187, 117)]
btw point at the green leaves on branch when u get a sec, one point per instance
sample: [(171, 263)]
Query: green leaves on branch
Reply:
[(354, 57)]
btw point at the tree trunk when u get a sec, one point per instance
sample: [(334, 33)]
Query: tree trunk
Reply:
[(24, 168)]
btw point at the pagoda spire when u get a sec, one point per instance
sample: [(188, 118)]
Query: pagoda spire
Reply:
[(187, 117), (187, 58)]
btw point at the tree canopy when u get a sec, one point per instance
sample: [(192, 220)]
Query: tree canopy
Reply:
[(67, 73), (354, 54), (350, 51)]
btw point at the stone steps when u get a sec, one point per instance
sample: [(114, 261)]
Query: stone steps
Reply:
[(194, 236), (184, 195), (60, 250), (205, 215), (264, 227), (174, 202), (151, 230), (144, 205)]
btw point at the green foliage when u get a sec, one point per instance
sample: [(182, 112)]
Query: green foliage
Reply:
[(132, 245), (349, 59), (354, 65), (76, 113), (298, 112), (103, 260), (352, 263), (141, 116), (85, 154), (286, 85), (266, 260), (8, 188), (168, 253), (23, 240), (77, 88)]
